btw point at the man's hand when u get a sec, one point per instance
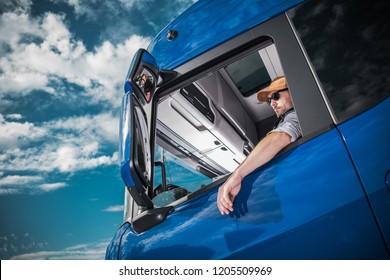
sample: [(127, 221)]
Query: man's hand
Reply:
[(227, 192), (264, 151)]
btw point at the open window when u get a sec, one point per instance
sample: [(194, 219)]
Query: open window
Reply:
[(209, 125), (188, 137)]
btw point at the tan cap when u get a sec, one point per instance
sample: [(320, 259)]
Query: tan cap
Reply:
[(276, 84)]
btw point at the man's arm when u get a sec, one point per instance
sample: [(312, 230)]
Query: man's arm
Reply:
[(264, 151)]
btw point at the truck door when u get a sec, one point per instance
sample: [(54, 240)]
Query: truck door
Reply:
[(366, 138)]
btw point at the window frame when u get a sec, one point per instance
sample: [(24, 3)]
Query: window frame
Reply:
[(315, 117), (303, 83)]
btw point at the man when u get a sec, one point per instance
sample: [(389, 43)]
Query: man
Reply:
[(285, 131), (146, 85)]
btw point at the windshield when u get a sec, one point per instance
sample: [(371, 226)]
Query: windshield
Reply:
[(180, 178)]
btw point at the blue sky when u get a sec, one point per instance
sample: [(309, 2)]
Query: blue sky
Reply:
[(62, 66)]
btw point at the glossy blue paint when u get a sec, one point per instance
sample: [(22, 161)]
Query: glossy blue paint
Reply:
[(113, 247), (207, 24), (304, 204), (367, 138)]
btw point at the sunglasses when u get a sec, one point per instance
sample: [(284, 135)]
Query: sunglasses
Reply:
[(275, 96)]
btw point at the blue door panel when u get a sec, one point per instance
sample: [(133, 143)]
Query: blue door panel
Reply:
[(333, 236), (367, 137), (113, 248), (306, 203)]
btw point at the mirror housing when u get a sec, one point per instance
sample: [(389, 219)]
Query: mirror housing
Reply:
[(143, 76), (137, 130), (138, 126)]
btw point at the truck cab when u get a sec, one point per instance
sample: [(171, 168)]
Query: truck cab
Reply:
[(190, 117)]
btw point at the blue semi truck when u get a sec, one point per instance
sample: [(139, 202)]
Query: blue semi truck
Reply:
[(190, 116)]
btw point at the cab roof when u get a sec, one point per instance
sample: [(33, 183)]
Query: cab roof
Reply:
[(207, 24)]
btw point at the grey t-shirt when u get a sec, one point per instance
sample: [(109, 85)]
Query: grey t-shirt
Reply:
[(289, 124)]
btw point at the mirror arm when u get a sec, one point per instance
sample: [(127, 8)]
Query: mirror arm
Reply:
[(150, 218), (163, 175), (141, 198), (166, 76)]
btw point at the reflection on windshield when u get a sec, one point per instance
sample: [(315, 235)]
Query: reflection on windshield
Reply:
[(181, 178), (169, 196)]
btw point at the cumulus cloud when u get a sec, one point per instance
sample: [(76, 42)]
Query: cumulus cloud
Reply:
[(17, 134), (14, 116), (27, 184), (17, 179), (14, 184), (53, 186), (15, 5), (114, 208), (41, 54), (67, 145), (62, 146)]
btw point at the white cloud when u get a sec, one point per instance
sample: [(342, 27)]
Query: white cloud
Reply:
[(14, 25), (40, 53), (67, 145), (102, 126), (128, 3), (17, 134), (108, 66), (18, 5), (93, 251), (69, 158), (115, 208), (52, 186), (17, 179), (43, 53), (15, 184), (13, 117)]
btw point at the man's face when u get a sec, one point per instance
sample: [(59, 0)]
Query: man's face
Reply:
[(281, 104), (143, 79)]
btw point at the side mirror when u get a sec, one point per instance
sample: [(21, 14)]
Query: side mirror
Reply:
[(137, 137), (140, 87), (143, 75)]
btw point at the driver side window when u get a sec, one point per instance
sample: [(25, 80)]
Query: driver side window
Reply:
[(173, 178)]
